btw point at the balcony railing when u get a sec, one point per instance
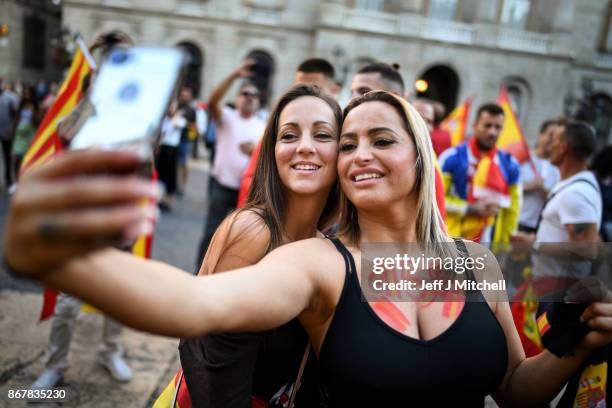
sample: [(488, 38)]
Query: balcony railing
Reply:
[(413, 25), (447, 32), (523, 41), (604, 60)]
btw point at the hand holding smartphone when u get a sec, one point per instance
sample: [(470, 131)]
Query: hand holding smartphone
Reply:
[(129, 99)]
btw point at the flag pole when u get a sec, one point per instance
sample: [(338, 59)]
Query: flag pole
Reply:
[(90, 59)]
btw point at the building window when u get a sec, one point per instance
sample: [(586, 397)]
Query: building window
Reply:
[(34, 42), (266, 4), (605, 43), (376, 5), (515, 13), (263, 71), (195, 62), (519, 95), (442, 9)]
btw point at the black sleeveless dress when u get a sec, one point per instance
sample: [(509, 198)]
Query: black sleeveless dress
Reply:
[(366, 363)]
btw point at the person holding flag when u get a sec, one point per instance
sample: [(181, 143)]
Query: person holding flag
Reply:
[(62, 121), (482, 183), (449, 131), (539, 176)]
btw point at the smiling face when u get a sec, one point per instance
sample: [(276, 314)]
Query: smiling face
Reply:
[(306, 147), (376, 163)]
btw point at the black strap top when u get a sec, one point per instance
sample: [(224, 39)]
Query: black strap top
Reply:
[(364, 362)]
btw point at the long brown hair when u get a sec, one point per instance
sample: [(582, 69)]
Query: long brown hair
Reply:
[(429, 226), (266, 196)]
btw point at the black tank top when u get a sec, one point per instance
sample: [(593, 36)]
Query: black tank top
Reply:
[(364, 362)]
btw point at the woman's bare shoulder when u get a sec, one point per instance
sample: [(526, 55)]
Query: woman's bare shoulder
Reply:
[(306, 251), (248, 224), (242, 239)]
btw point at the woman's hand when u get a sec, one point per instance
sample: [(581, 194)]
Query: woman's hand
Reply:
[(599, 318), (80, 202)]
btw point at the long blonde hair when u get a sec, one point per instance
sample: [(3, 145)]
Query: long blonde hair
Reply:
[(429, 225)]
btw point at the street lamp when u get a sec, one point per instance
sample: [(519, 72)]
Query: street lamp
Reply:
[(4, 34)]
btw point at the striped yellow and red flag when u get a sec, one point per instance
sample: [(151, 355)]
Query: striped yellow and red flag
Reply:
[(46, 142), (46, 145), (456, 122), (512, 138), (175, 395)]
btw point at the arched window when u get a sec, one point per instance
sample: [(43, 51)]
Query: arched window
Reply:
[(519, 95), (194, 66), (441, 83), (603, 116), (34, 46), (263, 72), (596, 109), (515, 13), (605, 38)]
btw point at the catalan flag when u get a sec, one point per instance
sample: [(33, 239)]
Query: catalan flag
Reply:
[(46, 145), (46, 142), (511, 139), (456, 122)]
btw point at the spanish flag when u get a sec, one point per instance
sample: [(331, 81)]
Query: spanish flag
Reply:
[(456, 122), (512, 139)]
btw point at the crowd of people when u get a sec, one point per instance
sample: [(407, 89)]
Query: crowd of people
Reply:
[(22, 107), (277, 306)]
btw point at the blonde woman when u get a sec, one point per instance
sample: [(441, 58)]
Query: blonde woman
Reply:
[(385, 167)]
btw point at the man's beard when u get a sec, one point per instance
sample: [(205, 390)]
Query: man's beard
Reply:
[(483, 147)]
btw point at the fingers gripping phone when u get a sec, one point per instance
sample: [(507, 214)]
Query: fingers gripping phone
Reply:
[(129, 99)]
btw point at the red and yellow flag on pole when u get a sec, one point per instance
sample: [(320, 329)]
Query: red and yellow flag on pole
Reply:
[(456, 122), (512, 139), (46, 142)]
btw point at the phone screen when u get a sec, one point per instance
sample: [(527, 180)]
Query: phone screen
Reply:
[(130, 97)]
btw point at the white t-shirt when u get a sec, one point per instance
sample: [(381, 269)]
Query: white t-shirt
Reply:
[(234, 130), (578, 203), (171, 130), (534, 200)]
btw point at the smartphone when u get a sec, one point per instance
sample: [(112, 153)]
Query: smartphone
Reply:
[(129, 99)]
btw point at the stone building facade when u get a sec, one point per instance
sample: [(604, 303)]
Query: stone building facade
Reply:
[(31, 44), (553, 55)]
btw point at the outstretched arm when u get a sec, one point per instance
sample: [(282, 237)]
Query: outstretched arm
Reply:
[(535, 381), (214, 104), (159, 298), (60, 226)]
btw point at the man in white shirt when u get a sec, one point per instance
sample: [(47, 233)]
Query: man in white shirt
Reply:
[(538, 176), (572, 211), (238, 132)]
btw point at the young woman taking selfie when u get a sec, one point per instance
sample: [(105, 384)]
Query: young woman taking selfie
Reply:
[(385, 168)]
